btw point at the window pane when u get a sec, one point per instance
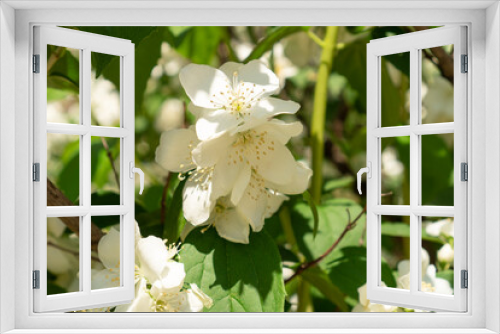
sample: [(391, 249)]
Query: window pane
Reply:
[(105, 89), (395, 170), (105, 171), (396, 251), (395, 89), (63, 256), (437, 169), (437, 84), (106, 260), (63, 169), (437, 255), (63, 85)]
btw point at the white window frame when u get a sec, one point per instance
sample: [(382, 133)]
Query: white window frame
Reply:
[(16, 21), (414, 43), (86, 43)]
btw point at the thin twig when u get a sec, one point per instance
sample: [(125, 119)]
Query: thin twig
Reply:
[(111, 160), (75, 253), (164, 198), (303, 267)]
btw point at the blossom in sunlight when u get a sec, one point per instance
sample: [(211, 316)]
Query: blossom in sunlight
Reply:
[(233, 97), (252, 168), (365, 305), (159, 279), (235, 158)]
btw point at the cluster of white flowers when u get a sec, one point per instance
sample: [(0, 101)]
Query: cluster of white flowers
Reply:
[(234, 157), (430, 283), (159, 279)]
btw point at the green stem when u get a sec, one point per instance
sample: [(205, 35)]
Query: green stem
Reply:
[(319, 110), (304, 293)]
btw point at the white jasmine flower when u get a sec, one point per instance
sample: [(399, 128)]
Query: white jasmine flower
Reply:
[(159, 278), (446, 254), (365, 305), (444, 227), (233, 97)]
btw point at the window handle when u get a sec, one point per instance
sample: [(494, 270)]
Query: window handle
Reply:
[(368, 171), (133, 170)]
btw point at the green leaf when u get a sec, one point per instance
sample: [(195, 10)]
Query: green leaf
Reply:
[(272, 38), (174, 221), (348, 272), (135, 34), (308, 198), (350, 62), (342, 182), (239, 278), (319, 279), (65, 73), (199, 43), (333, 219)]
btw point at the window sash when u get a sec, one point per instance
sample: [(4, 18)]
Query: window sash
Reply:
[(86, 297), (413, 43)]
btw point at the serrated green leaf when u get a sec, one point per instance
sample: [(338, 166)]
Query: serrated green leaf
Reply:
[(239, 278)]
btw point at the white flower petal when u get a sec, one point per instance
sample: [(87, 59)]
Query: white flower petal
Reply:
[(273, 203), (174, 151), (208, 152), (225, 174), (253, 204), (173, 275), (106, 278), (205, 299), (197, 201), (58, 262), (276, 165), (232, 226), (55, 227), (108, 249), (197, 111), (299, 182), (215, 123), (282, 131), (257, 73), (241, 184), (230, 67), (153, 255), (271, 106), (142, 301), (202, 82), (446, 253)]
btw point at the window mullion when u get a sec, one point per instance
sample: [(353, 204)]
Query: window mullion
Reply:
[(414, 171), (85, 167)]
